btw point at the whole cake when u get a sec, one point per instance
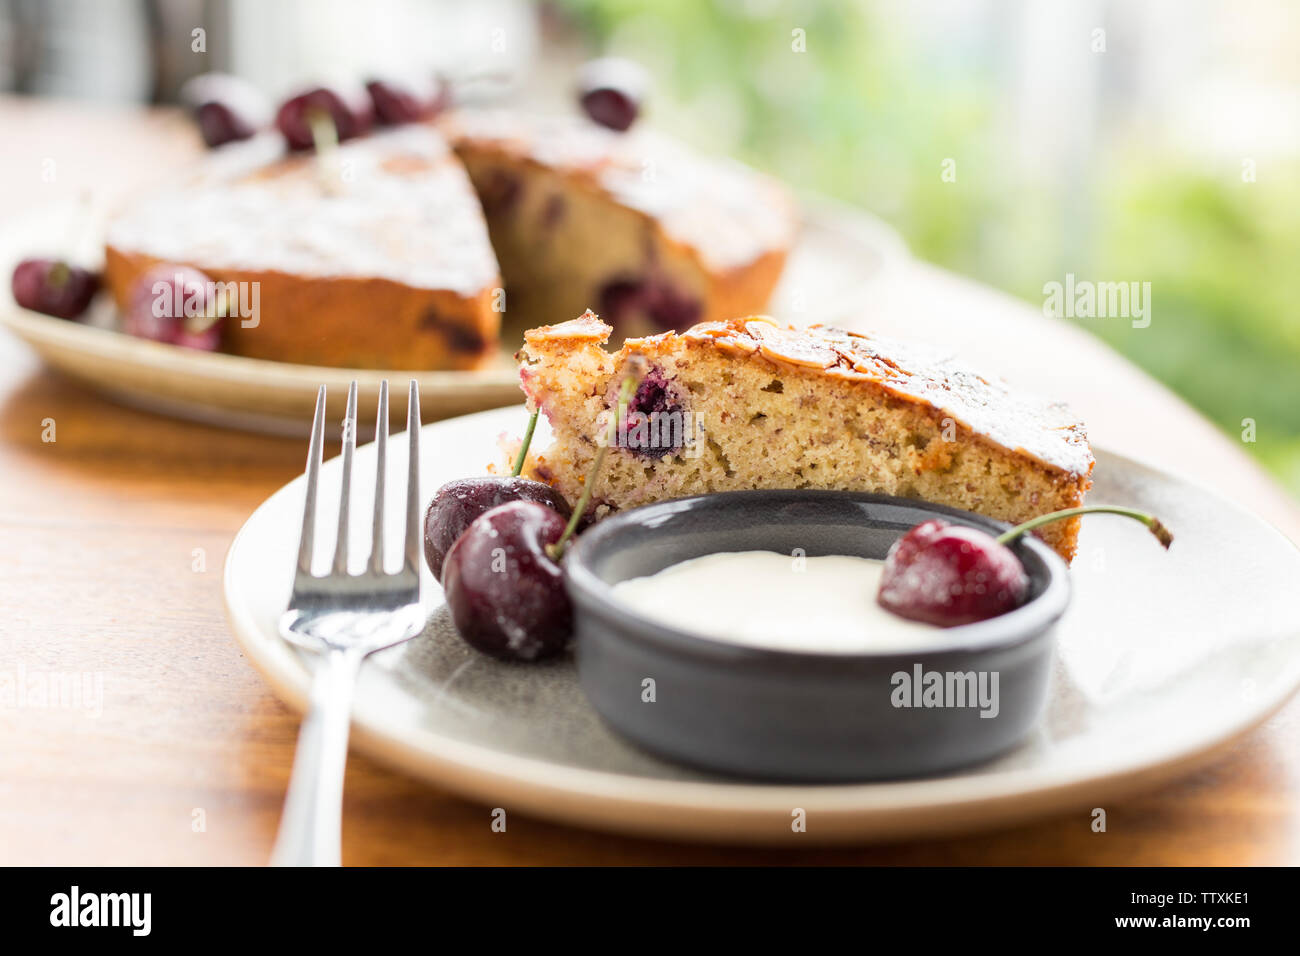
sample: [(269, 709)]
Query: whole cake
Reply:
[(376, 256), (632, 224), (750, 403)]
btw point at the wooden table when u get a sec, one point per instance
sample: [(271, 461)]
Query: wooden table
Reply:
[(111, 544)]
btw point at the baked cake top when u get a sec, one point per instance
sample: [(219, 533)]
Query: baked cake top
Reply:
[(395, 205), (1046, 431), (728, 213)]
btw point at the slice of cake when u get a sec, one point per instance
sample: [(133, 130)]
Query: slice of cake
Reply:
[(750, 403), (375, 256), (653, 235)]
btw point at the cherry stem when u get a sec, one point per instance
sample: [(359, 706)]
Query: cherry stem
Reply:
[(325, 137), (624, 397), (1154, 525), (60, 273), (324, 133), (523, 448)]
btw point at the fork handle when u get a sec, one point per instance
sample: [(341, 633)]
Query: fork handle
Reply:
[(312, 822)]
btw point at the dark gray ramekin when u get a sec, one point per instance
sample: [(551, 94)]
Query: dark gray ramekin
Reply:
[(781, 715)]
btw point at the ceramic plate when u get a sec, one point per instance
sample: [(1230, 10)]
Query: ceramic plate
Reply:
[(1163, 658), (839, 255)]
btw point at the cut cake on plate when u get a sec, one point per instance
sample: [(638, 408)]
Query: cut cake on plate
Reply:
[(375, 257)]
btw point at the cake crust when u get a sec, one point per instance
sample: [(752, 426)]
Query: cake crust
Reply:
[(774, 406)]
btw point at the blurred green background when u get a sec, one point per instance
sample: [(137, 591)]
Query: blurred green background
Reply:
[(1131, 162)]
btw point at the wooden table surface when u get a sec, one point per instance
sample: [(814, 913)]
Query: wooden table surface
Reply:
[(112, 539)]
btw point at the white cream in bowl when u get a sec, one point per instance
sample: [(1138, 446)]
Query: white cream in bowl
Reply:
[(778, 601)]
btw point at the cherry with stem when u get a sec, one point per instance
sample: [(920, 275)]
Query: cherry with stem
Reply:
[(946, 575), (457, 504), (502, 577)]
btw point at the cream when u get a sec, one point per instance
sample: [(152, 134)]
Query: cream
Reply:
[(779, 601)]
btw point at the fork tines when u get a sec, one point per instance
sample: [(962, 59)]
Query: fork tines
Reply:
[(375, 565)]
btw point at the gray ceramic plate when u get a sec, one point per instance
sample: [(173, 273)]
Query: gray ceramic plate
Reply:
[(1163, 659)]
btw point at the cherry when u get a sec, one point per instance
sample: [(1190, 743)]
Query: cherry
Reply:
[(54, 287), (207, 339), (658, 300), (226, 108), (499, 193), (502, 578), (611, 90), (457, 504), (945, 574), (671, 309), (176, 305), (619, 299), (349, 114), (650, 418), (505, 591), (399, 101), (219, 124)]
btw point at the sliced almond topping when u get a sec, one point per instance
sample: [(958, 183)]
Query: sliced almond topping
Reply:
[(586, 328), (710, 330), (788, 345), (853, 375), (735, 345)]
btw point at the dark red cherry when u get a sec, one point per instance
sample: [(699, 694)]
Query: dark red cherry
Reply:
[(176, 305), (505, 593), (620, 299), (611, 91), (457, 504), (219, 124), (610, 107), (226, 108), (499, 192), (54, 287), (351, 115), (946, 575), (655, 299), (397, 101), (656, 419), (670, 309), (207, 339)]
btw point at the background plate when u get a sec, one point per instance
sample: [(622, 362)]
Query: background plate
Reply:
[(1163, 658), (840, 256)]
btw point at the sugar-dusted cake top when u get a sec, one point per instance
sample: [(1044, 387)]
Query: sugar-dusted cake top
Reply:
[(395, 205), (730, 214), (988, 406)]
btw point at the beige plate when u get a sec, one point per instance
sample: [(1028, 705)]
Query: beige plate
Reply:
[(1163, 659), (840, 255)]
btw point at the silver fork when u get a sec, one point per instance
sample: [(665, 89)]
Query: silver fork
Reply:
[(342, 618)]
